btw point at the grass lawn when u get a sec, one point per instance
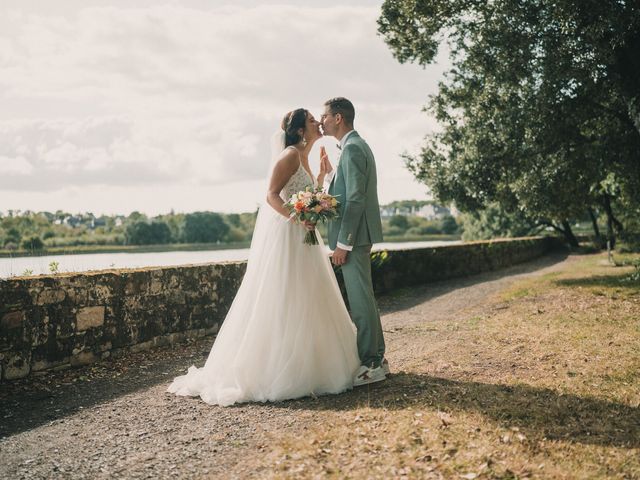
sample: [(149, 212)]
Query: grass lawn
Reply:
[(544, 383)]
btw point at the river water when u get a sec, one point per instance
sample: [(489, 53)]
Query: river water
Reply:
[(99, 261)]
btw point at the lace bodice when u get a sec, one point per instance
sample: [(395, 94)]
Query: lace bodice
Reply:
[(300, 180)]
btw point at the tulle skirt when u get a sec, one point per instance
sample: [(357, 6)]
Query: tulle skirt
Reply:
[(287, 334)]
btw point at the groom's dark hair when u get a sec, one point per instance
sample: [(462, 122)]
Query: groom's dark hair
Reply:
[(344, 107)]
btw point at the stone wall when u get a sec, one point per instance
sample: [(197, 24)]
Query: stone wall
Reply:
[(404, 268), (64, 320)]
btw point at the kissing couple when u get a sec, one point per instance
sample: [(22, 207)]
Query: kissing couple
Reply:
[(288, 333)]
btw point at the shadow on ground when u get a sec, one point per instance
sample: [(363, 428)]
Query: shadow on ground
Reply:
[(537, 412), (28, 403)]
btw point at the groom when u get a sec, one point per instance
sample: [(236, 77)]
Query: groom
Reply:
[(354, 182)]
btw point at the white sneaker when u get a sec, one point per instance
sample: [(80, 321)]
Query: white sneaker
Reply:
[(368, 375), (385, 366)]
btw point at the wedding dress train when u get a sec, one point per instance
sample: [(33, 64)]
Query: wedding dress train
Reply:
[(288, 333)]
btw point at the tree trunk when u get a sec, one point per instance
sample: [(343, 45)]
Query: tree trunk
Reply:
[(633, 107), (617, 224), (565, 230), (596, 230), (568, 234), (612, 221), (611, 237)]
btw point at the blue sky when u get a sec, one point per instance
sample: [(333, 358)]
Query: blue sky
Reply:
[(111, 108)]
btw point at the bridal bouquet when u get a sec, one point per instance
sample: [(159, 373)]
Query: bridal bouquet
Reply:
[(312, 206)]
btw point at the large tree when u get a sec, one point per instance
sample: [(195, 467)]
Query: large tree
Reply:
[(148, 233), (601, 36), (534, 114), (204, 227)]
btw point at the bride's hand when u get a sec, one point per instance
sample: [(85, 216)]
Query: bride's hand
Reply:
[(325, 164)]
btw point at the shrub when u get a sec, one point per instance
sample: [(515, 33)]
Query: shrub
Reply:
[(629, 242), (449, 225), (33, 243), (430, 230), (235, 235), (399, 221), (10, 246), (393, 232)]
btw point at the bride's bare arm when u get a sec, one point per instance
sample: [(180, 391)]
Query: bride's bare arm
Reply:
[(282, 171)]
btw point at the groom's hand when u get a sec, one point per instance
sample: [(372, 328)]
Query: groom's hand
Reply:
[(339, 256)]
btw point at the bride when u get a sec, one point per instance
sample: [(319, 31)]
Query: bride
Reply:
[(288, 333)]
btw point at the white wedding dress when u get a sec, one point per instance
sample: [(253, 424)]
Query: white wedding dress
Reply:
[(288, 333)]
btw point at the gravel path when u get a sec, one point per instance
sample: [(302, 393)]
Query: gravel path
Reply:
[(114, 419)]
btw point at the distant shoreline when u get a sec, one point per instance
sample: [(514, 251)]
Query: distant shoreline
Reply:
[(179, 247), (82, 249)]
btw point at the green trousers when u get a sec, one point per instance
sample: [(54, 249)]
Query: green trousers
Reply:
[(362, 303)]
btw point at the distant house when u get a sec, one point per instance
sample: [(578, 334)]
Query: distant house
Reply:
[(71, 221), (429, 211), (432, 211), (97, 222), (389, 211), (386, 212)]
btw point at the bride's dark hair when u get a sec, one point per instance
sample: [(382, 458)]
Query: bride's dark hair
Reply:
[(291, 123)]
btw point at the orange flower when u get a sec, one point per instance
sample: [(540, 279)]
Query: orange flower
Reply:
[(299, 206)]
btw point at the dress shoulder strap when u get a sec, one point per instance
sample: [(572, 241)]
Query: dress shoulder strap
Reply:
[(297, 151)]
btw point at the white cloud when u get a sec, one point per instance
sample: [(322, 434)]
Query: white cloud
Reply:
[(186, 99), (15, 165)]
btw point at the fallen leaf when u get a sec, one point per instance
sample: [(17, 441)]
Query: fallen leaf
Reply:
[(445, 418)]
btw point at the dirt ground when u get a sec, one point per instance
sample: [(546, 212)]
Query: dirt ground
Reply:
[(115, 420)]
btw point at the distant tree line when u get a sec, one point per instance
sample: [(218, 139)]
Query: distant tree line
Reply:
[(415, 226), (34, 231), (37, 230), (539, 115), (198, 227)]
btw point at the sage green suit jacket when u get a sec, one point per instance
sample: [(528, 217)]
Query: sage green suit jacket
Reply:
[(355, 185)]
